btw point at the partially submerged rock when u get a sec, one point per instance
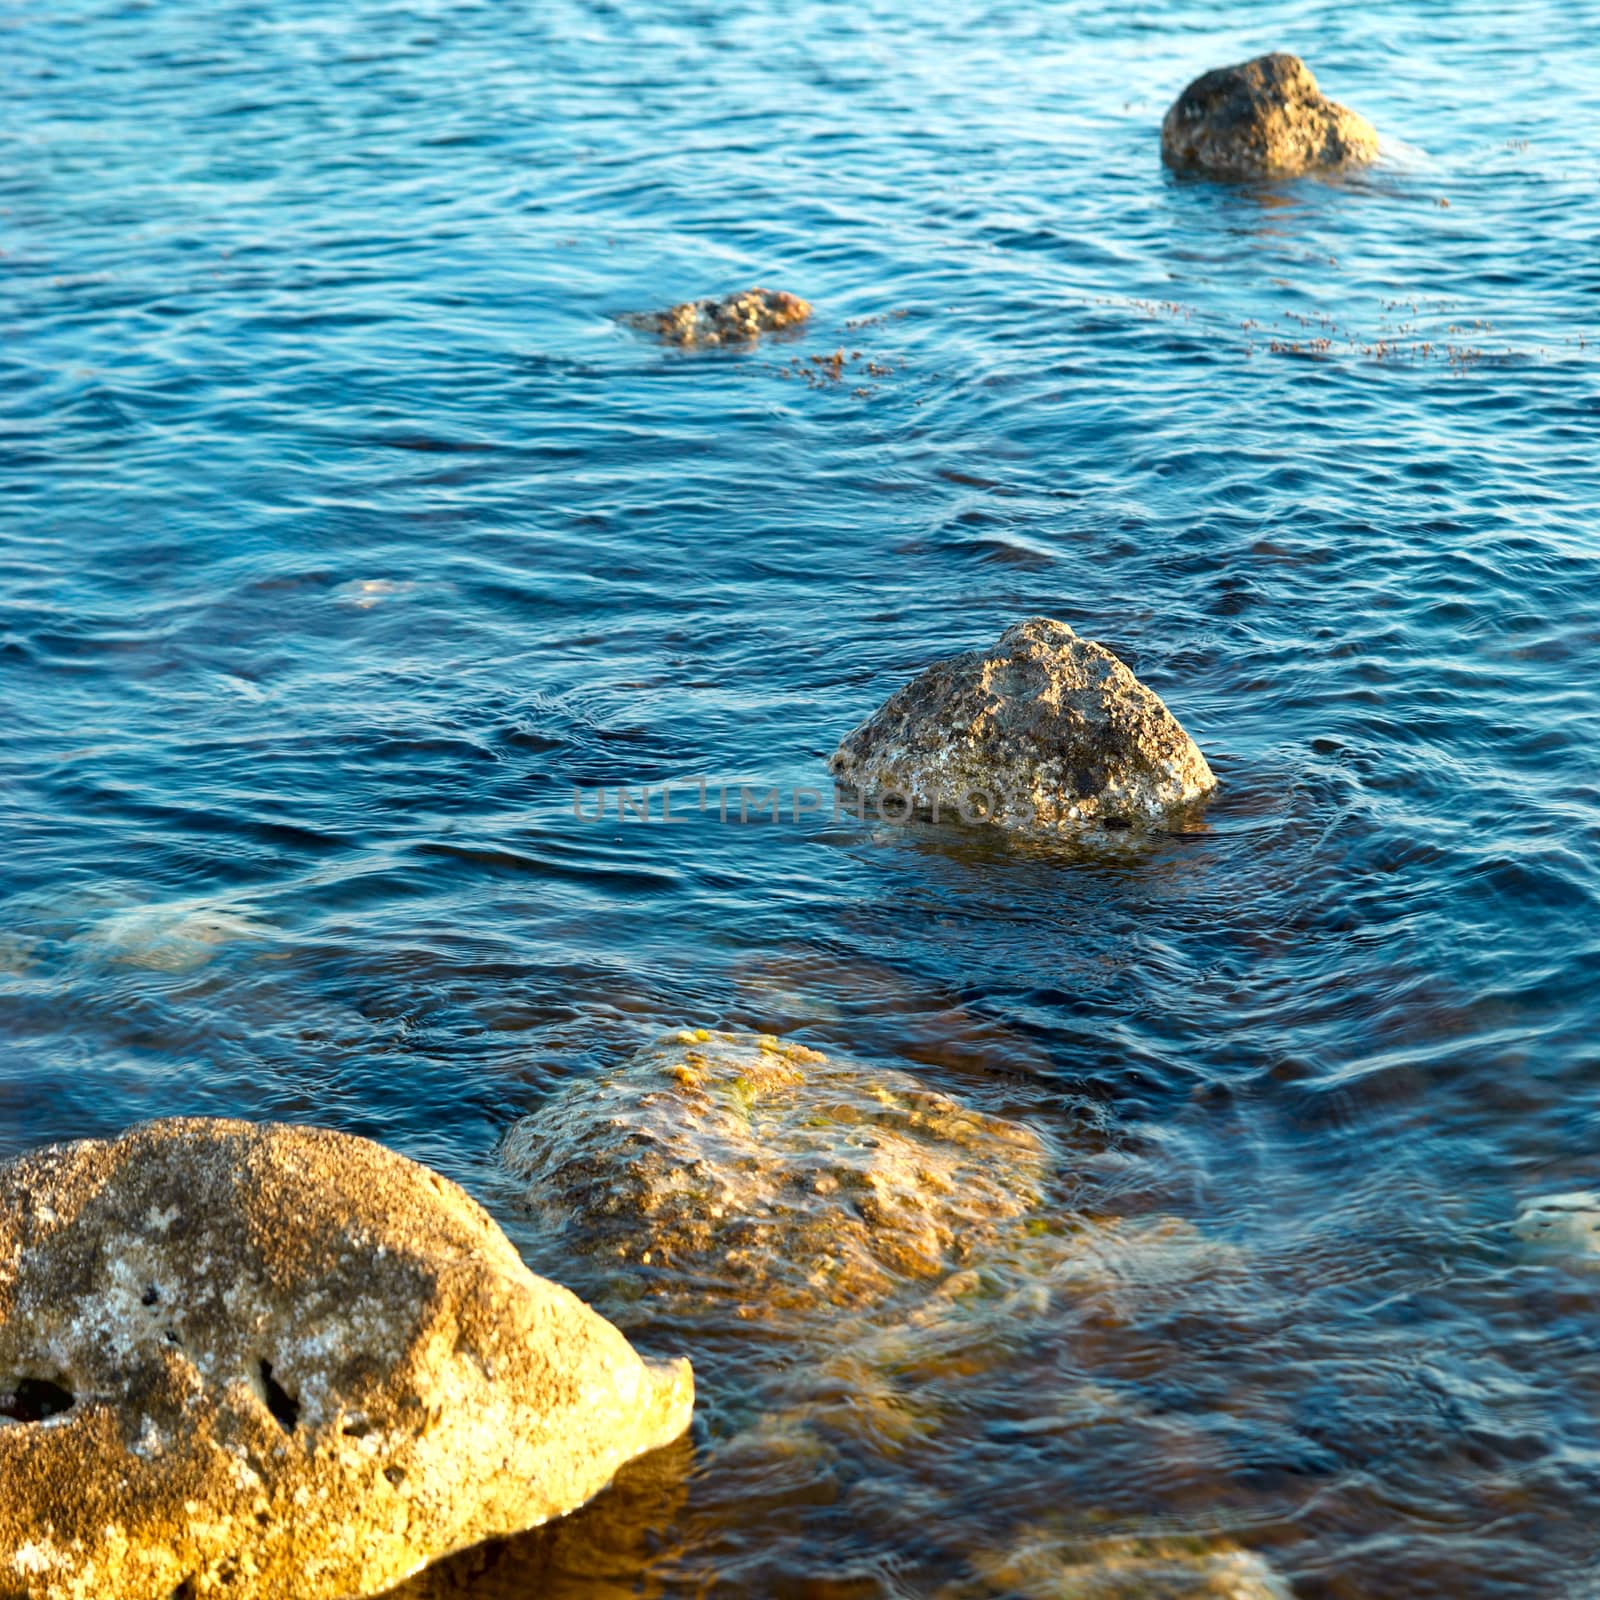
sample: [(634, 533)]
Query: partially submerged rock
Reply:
[(1563, 1224), (770, 1176), (1039, 732), (284, 1361), (1264, 118), (735, 319)]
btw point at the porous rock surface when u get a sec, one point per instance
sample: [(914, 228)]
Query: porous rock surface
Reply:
[(735, 319), (1039, 732), (762, 1173), (1264, 118), (269, 1361)]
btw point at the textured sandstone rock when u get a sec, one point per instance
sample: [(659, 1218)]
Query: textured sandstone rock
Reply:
[(735, 319), (1263, 119), (284, 1362), (601, 1552), (1042, 731), (1563, 1224), (747, 1170)]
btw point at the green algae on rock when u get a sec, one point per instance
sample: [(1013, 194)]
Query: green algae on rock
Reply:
[(1041, 732), (1264, 118), (771, 1175), (735, 319), (284, 1361)]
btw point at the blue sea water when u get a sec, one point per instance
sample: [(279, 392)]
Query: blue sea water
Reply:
[(344, 530)]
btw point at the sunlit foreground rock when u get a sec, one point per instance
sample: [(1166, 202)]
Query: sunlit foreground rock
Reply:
[(273, 1361), (1042, 731), (764, 1173), (1263, 119), (735, 319)]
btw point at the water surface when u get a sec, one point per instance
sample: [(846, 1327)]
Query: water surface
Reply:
[(345, 530)]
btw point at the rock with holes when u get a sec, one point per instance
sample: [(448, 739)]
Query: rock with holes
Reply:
[(1040, 732), (273, 1361), (1563, 1225), (1264, 118), (735, 319), (767, 1177)]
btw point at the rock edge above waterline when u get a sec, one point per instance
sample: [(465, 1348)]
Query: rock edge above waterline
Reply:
[(1264, 118), (1040, 732), (283, 1361)]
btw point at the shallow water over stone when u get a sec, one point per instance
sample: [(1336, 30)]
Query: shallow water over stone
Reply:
[(345, 528)]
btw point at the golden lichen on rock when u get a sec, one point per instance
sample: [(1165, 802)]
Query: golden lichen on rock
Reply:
[(1040, 732), (735, 319), (759, 1172), (279, 1361), (1264, 118)]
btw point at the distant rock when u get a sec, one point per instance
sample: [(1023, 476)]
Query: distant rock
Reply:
[(1042, 731), (751, 1171), (1563, 1224), (1263, 119), (282, 1361), (735, 319)]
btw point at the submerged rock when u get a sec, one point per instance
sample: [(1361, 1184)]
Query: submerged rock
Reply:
[(1040, 1565), (16, 955), (1042, 731), (768, 1175), (284, 1361), (1264, 118), (1563, 1224), (735, 319), (114, 924), (178, 937)]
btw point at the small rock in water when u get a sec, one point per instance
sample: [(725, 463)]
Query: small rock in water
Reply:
[(284, 1361), (16, 955), (768, 1174), (1040, 1565), (1565, 1224), (365, 593), (735, 319), (1042, 731), (179, 937), (1264, 118)]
